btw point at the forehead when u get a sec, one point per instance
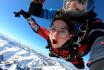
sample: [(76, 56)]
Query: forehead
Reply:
[(60, 24)]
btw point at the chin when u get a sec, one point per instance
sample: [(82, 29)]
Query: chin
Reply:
[(55, 46)]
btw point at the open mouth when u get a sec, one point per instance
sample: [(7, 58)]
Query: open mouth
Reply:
[(54, 41)]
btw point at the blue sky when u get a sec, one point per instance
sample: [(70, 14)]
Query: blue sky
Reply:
[(18, 28)]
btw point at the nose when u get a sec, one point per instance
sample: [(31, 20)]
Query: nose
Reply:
[(55, 34)]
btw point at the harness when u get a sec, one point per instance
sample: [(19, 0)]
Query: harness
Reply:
[(81, 36)]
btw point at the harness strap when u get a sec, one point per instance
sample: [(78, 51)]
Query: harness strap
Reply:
[(81, 34)]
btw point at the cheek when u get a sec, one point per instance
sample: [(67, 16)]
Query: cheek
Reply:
[(68, 37), (64, 39)]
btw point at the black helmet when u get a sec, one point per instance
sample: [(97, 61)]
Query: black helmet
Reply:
[(78, 7)]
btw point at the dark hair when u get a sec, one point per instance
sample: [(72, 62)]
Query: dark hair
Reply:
[(60, 15)]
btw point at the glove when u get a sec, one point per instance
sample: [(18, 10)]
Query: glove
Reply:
[(23, 13)]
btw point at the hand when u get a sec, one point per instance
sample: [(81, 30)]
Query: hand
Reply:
[(23, 13), (38, 1)]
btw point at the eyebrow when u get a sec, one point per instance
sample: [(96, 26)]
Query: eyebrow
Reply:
[(64, 28), (60, 28)]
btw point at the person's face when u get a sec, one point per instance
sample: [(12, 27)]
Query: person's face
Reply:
[(58, 33), (74, 5)]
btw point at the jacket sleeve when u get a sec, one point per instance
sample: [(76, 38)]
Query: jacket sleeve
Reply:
[(97, 51), (38, 29), (37, 10)]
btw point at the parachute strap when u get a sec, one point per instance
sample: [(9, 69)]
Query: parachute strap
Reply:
[(83, 29), (93, 31)]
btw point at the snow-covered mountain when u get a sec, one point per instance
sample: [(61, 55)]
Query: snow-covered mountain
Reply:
[(16, 56)]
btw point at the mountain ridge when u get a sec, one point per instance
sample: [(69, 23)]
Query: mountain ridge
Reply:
[(16, 56)]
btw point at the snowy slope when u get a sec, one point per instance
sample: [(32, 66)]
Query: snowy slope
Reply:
[(15, 56)]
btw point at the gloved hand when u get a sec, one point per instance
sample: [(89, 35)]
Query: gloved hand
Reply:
[(23, 13)]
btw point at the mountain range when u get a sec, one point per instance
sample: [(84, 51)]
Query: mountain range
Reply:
[(17, 56)]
